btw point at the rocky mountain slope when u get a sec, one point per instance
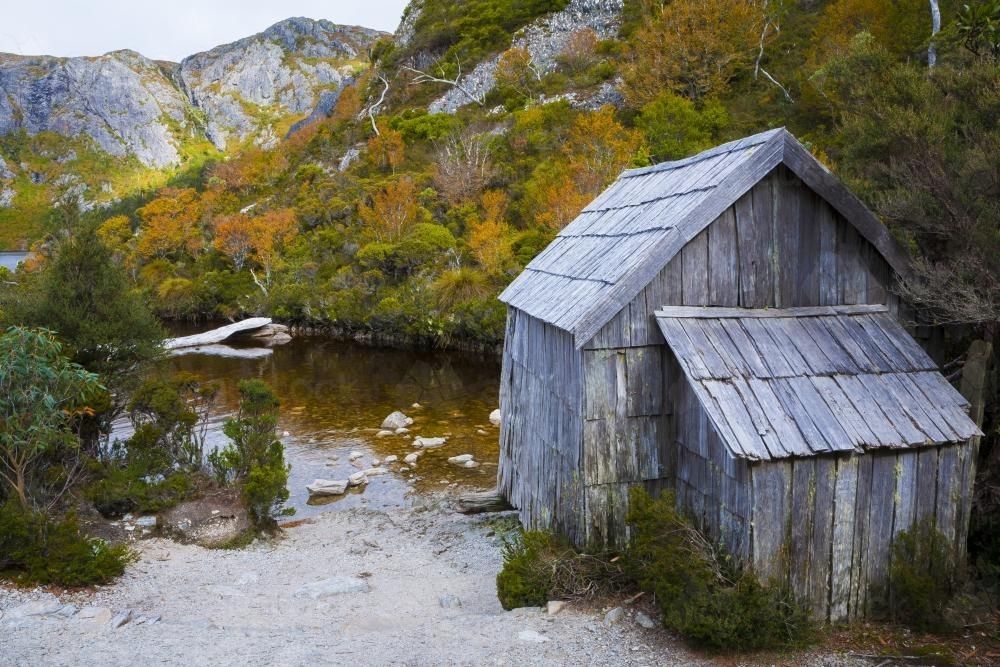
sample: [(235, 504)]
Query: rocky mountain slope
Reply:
[(130, 105), (94, 129)]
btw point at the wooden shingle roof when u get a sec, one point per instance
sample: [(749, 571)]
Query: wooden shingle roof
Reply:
[(800, 381), (621, 240)]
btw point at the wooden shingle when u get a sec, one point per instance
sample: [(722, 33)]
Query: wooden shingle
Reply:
[(803, 381)]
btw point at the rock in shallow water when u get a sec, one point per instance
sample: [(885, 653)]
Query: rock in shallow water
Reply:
[(396, 420), (327, 487), (427, 443)]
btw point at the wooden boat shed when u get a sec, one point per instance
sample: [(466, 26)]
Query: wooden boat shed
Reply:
[(724, 327)]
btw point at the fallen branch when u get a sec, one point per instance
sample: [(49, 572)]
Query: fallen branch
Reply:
[(482, 501)]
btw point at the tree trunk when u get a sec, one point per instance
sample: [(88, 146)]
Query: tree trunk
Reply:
[(935, 28)]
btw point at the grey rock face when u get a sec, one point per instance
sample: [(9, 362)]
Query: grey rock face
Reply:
[(5, 172), (129, 105), (293, 67), (544, 39), (121, 100)]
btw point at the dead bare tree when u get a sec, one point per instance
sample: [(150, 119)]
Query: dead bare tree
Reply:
[(372, 110), (769, 24), (463, 165), (935, 28), (456, 83)]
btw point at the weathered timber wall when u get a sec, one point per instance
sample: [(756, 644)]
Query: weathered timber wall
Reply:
[(741, 259), (826, 524), (625, 431), (712, 486), (779, 246), (541, 441)]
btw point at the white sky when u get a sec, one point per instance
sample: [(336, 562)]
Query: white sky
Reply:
[(167, 29)]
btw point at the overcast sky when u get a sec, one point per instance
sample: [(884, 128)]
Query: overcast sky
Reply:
[(166, 29)]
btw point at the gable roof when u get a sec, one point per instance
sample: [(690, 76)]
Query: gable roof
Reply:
[(778, 383), (622, 239)]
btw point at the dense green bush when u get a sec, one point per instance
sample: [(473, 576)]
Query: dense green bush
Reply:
[(703, 593), (922, 577), (541, 566), (37, 549), (116, 491), (254, 460)]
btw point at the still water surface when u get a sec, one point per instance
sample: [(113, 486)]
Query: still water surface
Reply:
[(334, 396), (10, 260)]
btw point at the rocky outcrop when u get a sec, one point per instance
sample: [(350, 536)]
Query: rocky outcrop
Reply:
[(129, 105), (121, 100), (544, 39), (289, 69)]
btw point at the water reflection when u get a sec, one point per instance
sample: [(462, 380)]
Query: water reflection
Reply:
[(334, 395)]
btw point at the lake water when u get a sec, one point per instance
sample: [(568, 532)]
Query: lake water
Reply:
[(334, 396), (10, 260)]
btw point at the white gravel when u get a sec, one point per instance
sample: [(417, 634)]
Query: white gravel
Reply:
[(430, 600)]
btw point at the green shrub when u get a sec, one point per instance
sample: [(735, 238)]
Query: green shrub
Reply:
[(117, 491), (541, 566), (255, 459), (703, 593), (35, 549), (922, 577)]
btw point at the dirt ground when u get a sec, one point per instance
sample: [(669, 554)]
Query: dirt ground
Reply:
[(408, 586)]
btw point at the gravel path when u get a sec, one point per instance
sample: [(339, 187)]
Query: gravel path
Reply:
[(399, 587)]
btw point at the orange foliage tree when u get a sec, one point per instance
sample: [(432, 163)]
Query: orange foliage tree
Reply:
[(598, 149), (258, 239), (387, 149), (233, 238), (171, 224), (579, 51), (392, 212), (901, 27), (490, 239)]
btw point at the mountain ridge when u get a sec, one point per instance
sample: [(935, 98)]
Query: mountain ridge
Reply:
[(113, 97)]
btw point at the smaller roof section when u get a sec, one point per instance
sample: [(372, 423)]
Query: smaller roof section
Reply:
[(778, 383)]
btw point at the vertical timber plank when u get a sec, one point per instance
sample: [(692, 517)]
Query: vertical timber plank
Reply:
[(802, 516), (723, 264), (772, 481), (694, 257), (845, 501), (822, 536), (880, 516), (927, 478), (862, 534)]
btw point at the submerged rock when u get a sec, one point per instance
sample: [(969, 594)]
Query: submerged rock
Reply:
[(396, 420), (495, 417), (427, 443)]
